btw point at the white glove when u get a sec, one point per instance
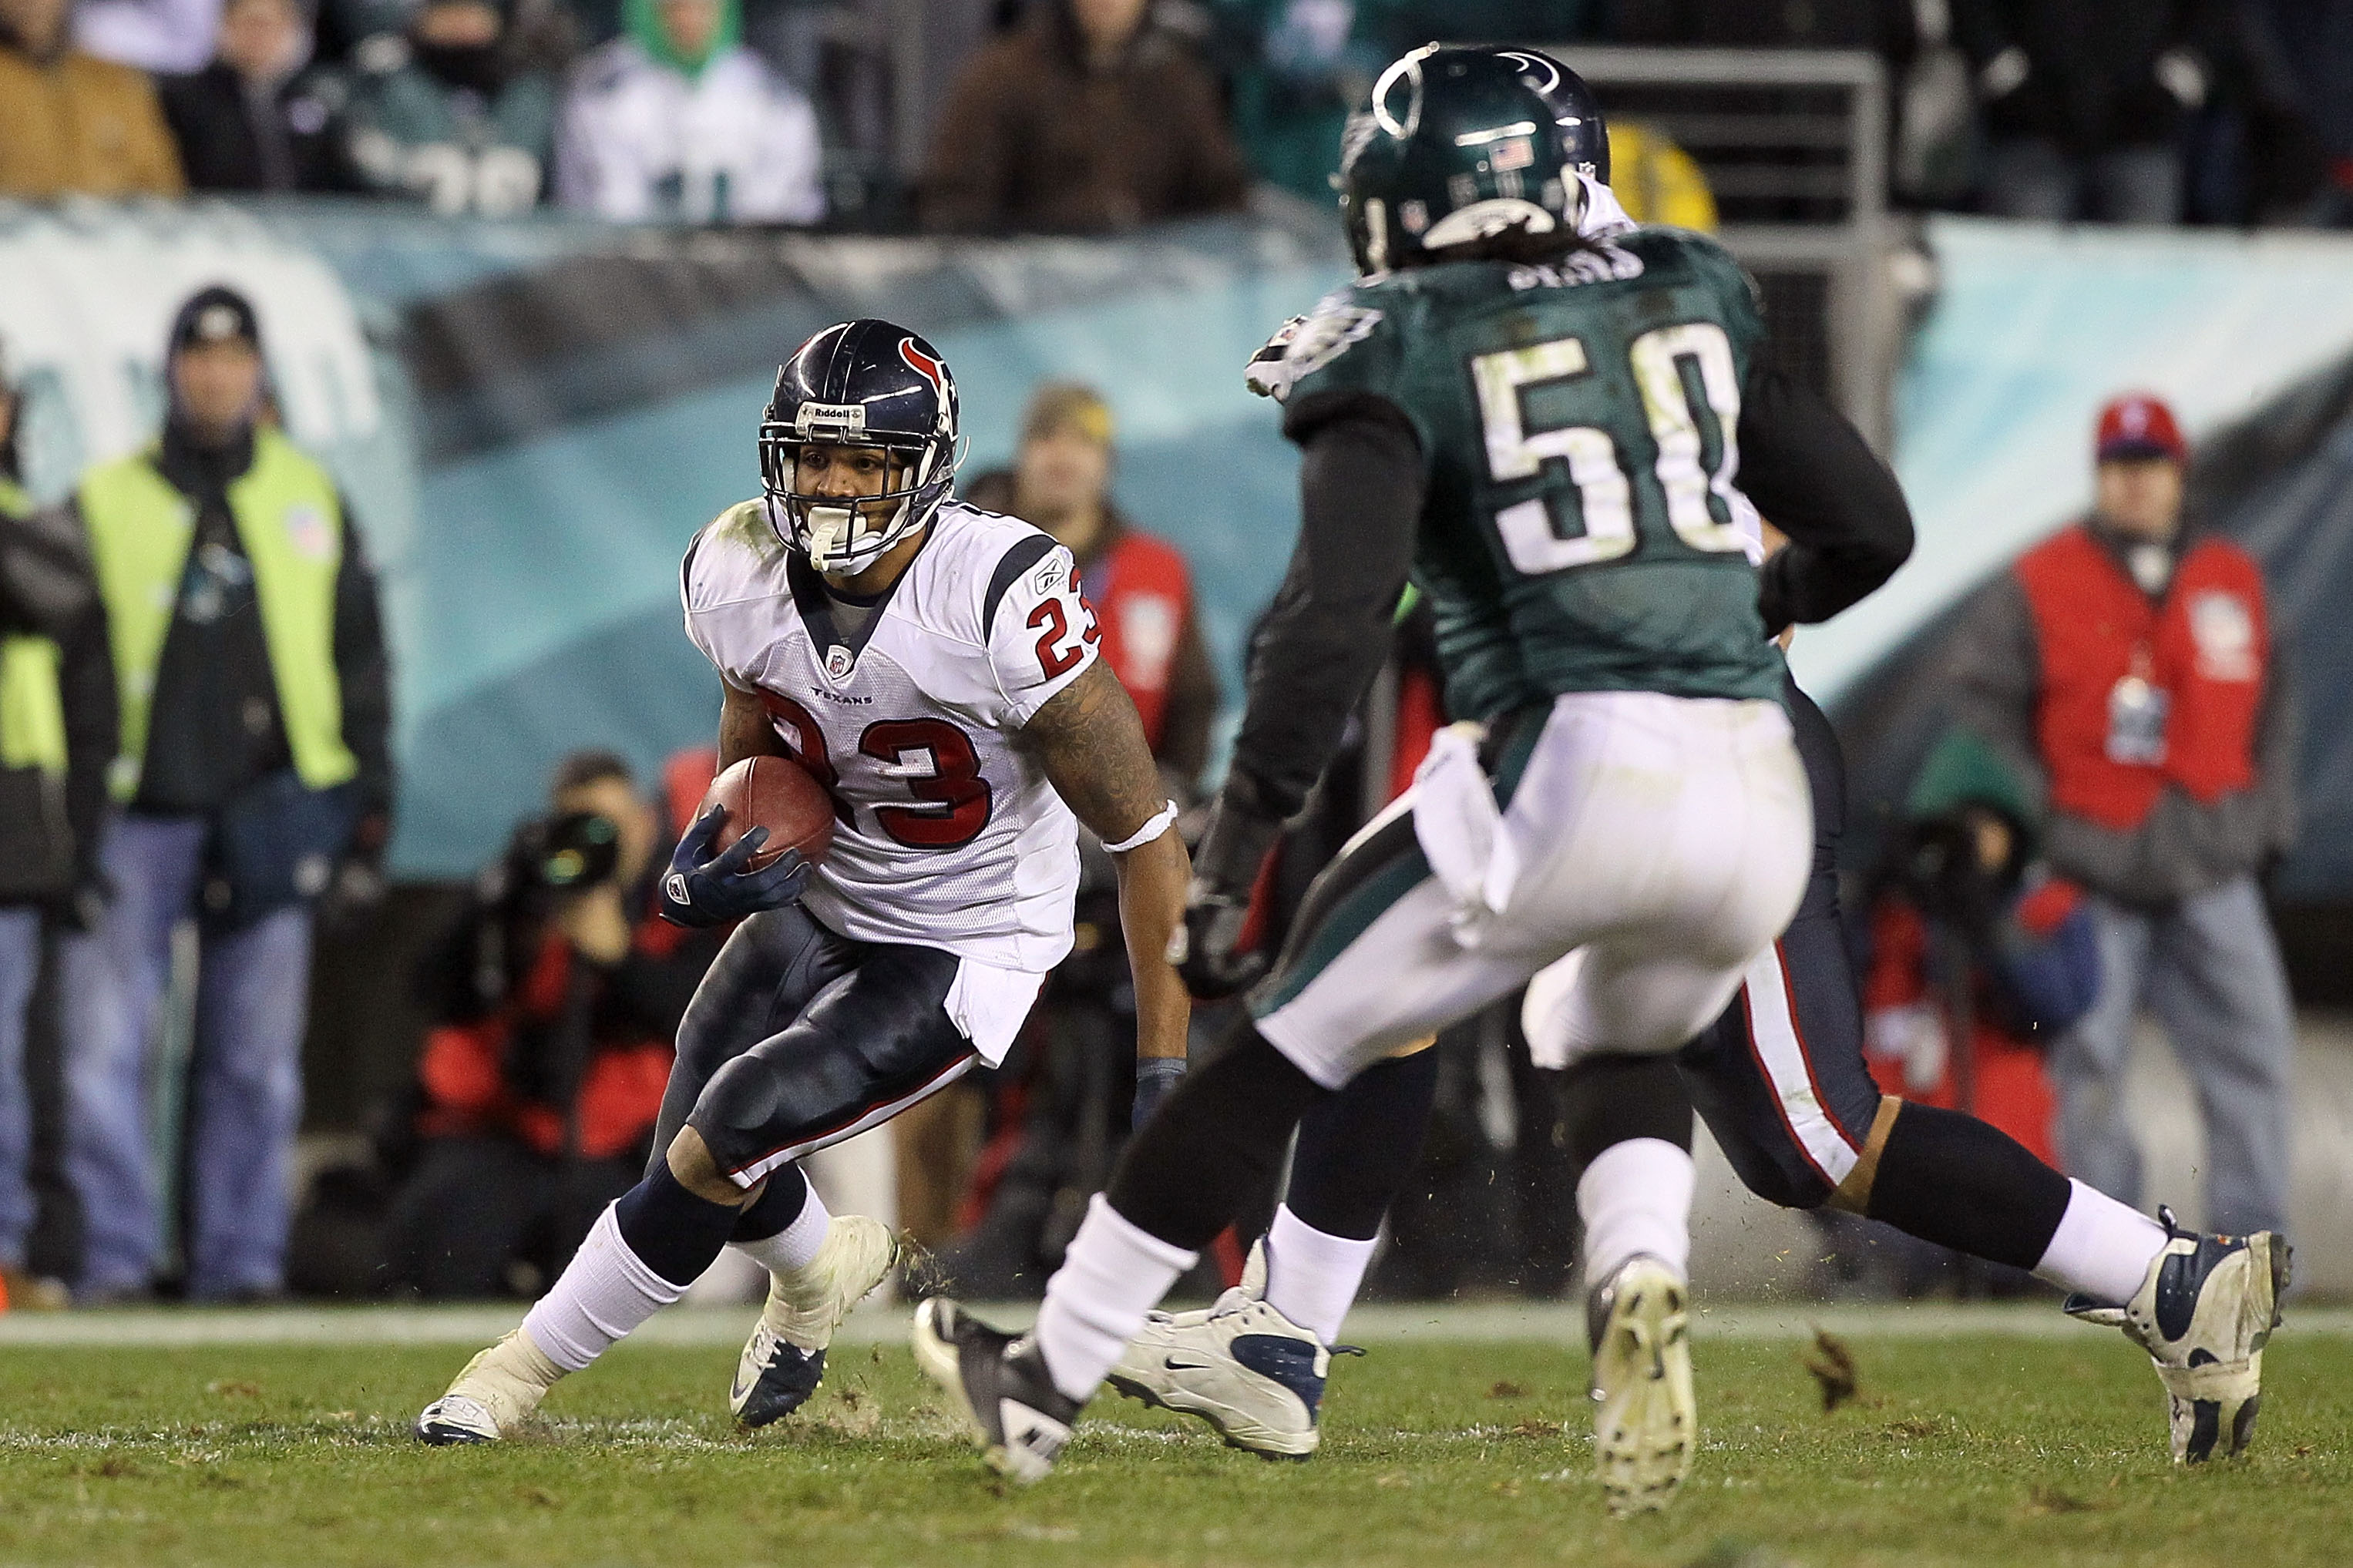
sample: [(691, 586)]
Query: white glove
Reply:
[(2004, 74), (1267, 373), (1914, 1035), (2181, 73)]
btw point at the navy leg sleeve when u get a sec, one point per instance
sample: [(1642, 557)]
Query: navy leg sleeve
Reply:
[(1357, 1149)]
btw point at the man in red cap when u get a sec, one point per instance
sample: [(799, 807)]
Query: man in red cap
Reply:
[(2132, 669)]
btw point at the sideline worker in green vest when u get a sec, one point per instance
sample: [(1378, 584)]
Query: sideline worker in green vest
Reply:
[(252, 768), (57, 734)]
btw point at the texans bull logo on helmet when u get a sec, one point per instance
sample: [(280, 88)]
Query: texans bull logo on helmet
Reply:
[(861, 384)]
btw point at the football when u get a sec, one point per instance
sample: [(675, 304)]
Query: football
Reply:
[(779, 795)]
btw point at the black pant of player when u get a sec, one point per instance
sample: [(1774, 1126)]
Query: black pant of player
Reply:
[(1780, 1077), (799, 1038)]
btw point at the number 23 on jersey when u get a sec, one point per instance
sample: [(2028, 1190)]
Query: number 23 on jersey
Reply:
[(951, 801)]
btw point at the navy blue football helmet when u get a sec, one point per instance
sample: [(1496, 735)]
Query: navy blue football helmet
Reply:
[(861, 383), (1584, 133)]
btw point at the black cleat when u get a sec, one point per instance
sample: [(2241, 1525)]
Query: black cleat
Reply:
[(1000, 1382)]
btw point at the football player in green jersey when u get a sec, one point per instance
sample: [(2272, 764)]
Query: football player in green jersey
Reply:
[(1781, 1079), (1546, 431), (1543, 432)]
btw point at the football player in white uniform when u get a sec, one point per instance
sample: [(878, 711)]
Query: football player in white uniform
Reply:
[(934, 667)]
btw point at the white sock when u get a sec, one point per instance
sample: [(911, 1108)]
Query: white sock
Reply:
[(1636, 1196), (2102, 1247), (795, 1246), (1311, 1275), (1111, 1278), (605, 1292)]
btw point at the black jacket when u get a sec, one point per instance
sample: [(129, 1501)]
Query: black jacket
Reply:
[(49, 839), (291, 139), (2091, 81)]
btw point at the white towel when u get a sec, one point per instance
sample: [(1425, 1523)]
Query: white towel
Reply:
[(1462, 834)]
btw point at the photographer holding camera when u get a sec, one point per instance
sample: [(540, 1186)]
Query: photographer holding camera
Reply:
[(1980, 957), (558, 993)]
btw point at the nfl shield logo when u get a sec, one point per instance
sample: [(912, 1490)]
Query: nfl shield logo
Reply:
[(837, 663)]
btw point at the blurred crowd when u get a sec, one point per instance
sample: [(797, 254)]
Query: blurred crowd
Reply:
[(1095, 115)]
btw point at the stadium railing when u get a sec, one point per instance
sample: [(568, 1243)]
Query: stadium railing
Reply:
[(1794, 145)]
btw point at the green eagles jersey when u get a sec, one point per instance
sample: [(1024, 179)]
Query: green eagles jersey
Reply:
[(1579, 425)]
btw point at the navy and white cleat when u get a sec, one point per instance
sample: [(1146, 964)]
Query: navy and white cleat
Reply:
[(1240, 1365), (496, 1393), (784, 1362), (1645, 1417), (999, 1383), (2204, 1313)]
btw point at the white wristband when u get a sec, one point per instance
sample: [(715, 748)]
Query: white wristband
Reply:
[(1161, 822)]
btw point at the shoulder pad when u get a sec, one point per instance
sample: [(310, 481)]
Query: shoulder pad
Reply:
[(1339, 321), (1704, 253), (1018, 560), (740, 533)]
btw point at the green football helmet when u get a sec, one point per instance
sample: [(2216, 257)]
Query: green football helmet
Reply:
[(1459, 147)]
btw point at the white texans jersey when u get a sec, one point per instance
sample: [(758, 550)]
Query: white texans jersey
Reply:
[(947, 834)]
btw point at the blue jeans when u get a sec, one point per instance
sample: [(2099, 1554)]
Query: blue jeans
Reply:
[(244, 1086), (2210, 970), (2033, 178), (20, 961)]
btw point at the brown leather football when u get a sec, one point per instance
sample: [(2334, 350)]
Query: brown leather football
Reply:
[(777, 794)]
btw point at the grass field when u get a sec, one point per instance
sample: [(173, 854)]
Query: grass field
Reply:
[(1963, 1446)]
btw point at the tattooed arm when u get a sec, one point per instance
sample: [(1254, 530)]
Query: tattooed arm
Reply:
[(744, 730), (1092, 744)]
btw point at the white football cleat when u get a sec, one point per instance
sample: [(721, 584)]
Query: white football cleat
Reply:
[(495, 1394), (1240, 1364), (1645, 1419), (784, 1361), (2204, 1313)]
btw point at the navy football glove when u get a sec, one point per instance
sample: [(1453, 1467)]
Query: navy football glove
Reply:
[(1217, 900), (702, 890)]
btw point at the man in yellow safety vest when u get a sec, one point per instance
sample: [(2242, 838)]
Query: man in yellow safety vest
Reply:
[(57, 733), (252, 766)]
